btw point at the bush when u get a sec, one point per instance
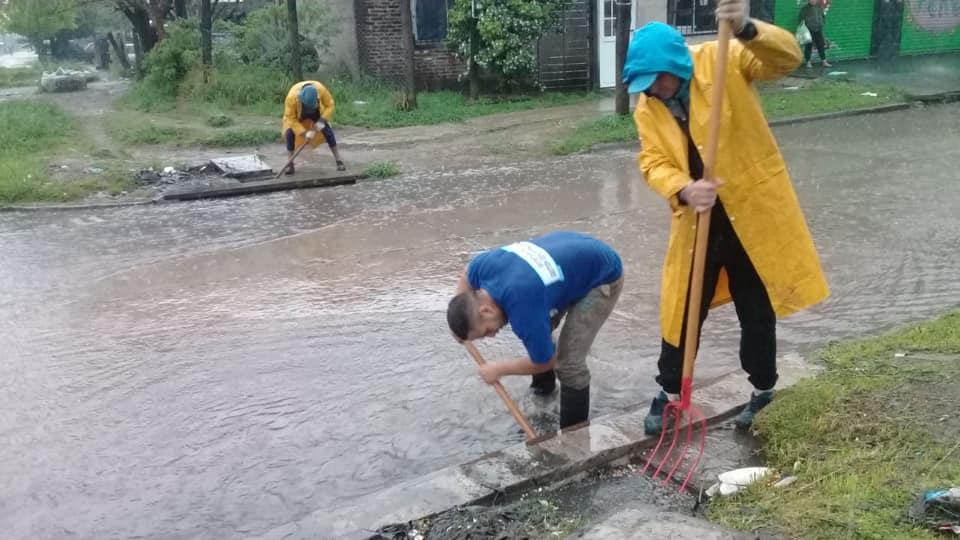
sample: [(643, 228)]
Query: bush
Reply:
[(508, 30), (262, 88), (170, 60)]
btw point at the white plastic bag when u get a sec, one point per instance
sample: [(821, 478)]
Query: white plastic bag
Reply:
[(803, 34)]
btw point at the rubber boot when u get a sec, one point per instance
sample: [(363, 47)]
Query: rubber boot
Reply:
[(574, 406), (543, 384)]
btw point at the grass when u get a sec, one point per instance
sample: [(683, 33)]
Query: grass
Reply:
[(260, 90), (367, 103), (20, 76), (825, 96), (24, 176), (606, 129), (821, 96), (383, 169), (183, 131), (864, 439)]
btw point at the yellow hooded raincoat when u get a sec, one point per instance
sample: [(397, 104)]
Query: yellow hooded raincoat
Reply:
[(757, 193), (293, 108)]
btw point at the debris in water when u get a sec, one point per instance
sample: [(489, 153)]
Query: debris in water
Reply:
[(735, 480)]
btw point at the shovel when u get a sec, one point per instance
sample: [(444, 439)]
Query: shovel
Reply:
[(290, 161), (677, 410)]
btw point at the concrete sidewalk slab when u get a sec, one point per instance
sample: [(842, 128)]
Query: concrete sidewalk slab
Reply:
[(262, 186), (520, 467)]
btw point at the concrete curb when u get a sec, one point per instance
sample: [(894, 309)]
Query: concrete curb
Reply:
[(264, 186), (520, 467)]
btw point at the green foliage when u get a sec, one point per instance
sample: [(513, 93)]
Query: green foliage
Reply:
[(507, 30), (170, 60), (38, 20), (252, 87), (263, 38), (605, 129)]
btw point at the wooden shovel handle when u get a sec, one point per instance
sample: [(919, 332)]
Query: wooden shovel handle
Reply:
[(703, 219), (507, 400), (293, 157)]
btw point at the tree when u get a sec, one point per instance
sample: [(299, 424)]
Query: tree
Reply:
[(206, 37), (409, 66), (293, 27), (39, 20), (264, 37), (498, 37), (148, 18), (622, 99)]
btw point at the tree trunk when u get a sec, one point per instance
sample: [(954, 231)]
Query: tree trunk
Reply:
[(622, 99), (121, 54), (138, 54), (180, 9), (409, 65), (474, 68), (296, 61), (206, 37)]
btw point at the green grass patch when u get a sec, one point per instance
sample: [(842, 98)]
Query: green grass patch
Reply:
[(606, 129), (864, 438), (184, 131), (822, 96), (383, 169), (261, 90), (367, 103), (28, 130), (20, 76), (825, 96)]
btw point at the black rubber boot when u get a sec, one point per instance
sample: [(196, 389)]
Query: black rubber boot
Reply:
[(574, 406), (543, 384)]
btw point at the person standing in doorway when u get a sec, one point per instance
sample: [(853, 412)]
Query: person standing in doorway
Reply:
[(814, 17)]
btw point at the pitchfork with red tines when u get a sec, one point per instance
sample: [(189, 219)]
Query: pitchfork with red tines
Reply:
[(675, 411)]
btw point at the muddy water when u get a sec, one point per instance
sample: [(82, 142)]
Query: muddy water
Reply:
[(220, 368)]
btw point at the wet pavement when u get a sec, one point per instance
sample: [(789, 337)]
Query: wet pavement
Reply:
[(920, 76), (220, 368)]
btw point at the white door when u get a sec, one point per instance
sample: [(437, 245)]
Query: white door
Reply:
[(607, 42)]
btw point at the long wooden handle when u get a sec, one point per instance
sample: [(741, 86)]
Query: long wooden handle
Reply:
[(293, 157), (507, 400), (703, 219)]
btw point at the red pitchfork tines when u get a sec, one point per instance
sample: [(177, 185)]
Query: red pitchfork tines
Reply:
[(673, 415), (674, 412)]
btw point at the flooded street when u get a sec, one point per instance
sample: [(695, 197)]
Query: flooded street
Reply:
[(220, 368)]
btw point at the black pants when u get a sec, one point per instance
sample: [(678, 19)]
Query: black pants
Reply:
[(327, 136), (758, 339), (819, 42)]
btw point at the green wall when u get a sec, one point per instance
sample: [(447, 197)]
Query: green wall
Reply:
[(849, 25), (942, 34)]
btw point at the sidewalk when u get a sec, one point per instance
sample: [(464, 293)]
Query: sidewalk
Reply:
[(922, 78)]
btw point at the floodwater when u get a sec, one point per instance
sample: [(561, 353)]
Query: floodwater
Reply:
[(217, 369)]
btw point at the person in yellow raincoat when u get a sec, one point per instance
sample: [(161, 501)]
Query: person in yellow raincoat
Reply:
[(760, 253), (308, 111)]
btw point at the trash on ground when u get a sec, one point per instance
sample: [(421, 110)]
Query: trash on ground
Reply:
[(66, 80), (239, 167), (938, 510), (871, 94), (837, 73), (785, 481), (791, 87), (733, 481)]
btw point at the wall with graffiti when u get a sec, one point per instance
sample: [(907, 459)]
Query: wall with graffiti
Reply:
[(930, 26), (866, 28)]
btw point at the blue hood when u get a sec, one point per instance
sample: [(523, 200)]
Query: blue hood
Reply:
[(309, 97), (656, 48)]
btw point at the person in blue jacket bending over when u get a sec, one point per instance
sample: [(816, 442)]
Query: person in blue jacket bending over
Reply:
[(534, 285)]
